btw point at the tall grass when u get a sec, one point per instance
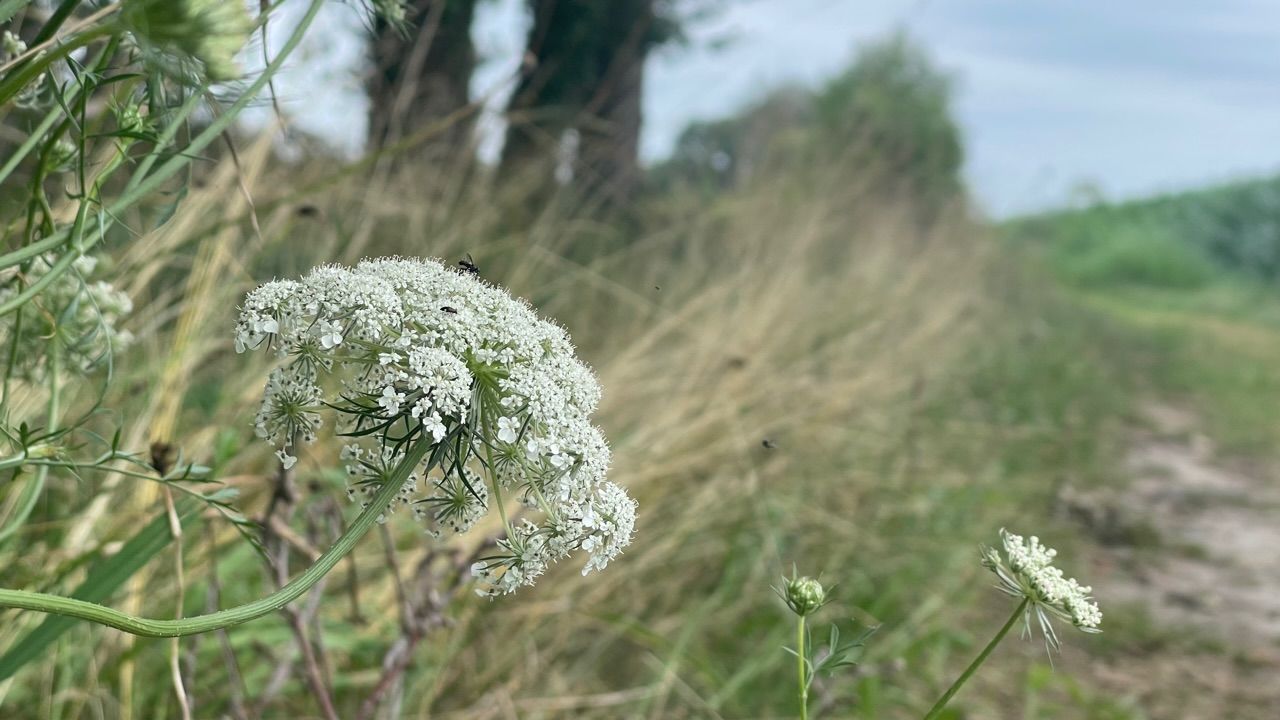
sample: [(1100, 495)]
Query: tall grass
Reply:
[(897, 371)]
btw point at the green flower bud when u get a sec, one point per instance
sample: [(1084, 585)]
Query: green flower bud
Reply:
[(804, 595), (211, 31), (130, 119), (62, 156), (390, 10)]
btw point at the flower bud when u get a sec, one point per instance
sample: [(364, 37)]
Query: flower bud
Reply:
[(804, 595), (211, 31)]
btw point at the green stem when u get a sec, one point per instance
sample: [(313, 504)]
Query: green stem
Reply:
[(178, 161), (977, 662), (31, 493), (36, 135), (801, 671), (20, 76), (195, 625)]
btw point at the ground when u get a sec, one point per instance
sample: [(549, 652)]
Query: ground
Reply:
[(1191, 542)]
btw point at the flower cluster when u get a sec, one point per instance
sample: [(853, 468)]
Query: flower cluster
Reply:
[(81, 316), (210, 31), (1027, 571), (11, 47), (407, 350)]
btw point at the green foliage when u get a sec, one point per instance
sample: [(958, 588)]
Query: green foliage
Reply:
[(1190, 274), (582, 39), (1236, 226), (715, 155), (897, 105), (104, 578), (889, 113), (1131, 256)]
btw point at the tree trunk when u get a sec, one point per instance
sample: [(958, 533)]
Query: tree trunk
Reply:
[(587, 68), (608, 163), (421, 76), (549, 93)]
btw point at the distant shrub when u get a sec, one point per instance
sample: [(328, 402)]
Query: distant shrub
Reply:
[(1235, 227), (1238, 224), (715, 155), (896, 105), (889, 113), (1132, 256)]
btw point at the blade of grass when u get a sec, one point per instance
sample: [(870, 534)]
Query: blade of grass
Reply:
[(104, 578)]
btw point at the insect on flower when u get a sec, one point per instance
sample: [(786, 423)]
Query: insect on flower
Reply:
[(495, 390)]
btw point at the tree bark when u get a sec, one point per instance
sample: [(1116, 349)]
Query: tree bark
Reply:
[(421, 76), (608, 163), (545, 101), (586, 73)]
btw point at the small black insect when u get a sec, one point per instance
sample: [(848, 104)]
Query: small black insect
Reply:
[(450, 310), (768, 444), (162, 456), (308, 211), (657, 287), (466, 263)]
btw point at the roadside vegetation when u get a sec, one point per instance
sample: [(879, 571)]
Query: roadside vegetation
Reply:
[(815, 356)]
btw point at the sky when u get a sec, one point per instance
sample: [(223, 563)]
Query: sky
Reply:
[(1129, 97)]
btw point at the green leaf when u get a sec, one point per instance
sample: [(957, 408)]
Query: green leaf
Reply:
[(8, 8), (104, 578)]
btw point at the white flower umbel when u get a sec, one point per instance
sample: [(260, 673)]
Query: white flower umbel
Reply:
[(1026, 571), (78, 314), (407, 350)]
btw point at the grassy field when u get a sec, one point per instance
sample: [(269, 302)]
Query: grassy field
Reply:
[(919, 387)]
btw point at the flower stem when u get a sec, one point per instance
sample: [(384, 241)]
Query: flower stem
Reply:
[(801, 671), (977, 662), (138, 186), (101, 615), (32, 490), (18, 77)]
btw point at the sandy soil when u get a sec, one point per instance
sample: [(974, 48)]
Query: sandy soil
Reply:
[(1195, 540)]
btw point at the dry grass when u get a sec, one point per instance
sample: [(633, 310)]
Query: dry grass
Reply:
[(804, 311)]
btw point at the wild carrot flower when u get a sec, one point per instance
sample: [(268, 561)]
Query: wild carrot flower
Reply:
[(1026, 571), (407, 350), (210, 31), (79, 314)]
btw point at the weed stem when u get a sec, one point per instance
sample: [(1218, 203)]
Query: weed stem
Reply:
[(101, 615), (802, 674), (936, 710)]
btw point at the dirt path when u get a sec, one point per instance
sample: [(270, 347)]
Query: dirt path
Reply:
[(1196, 543)]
